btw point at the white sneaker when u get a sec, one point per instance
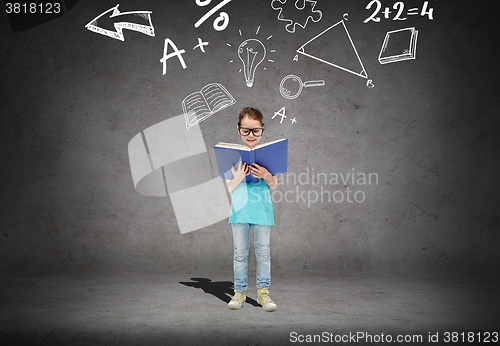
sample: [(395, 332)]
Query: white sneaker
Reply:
[(237, 300), (265, 301)]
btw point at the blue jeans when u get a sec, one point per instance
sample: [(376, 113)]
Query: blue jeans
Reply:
[(241, 238)]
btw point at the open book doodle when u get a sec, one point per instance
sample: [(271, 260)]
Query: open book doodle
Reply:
[(201, 104)]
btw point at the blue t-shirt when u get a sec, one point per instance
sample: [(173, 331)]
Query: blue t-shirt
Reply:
[(251, 203)]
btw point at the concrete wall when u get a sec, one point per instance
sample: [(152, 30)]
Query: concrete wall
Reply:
[(73, 99)]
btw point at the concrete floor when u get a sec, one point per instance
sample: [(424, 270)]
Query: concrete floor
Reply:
[(168, 309)]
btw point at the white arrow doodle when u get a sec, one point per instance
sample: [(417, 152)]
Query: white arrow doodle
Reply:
[(147, 29)]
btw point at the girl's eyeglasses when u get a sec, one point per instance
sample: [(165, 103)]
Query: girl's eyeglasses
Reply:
[(245, 132)]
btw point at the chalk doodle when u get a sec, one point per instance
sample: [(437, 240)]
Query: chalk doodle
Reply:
[(204, 103), (281, 113), (167, 161), (200, 45), (178, 53), (342, 54), (399, 45), (399, 7), (136, 20), (223, 16), (252, 52), (291, 86), (315, 15)]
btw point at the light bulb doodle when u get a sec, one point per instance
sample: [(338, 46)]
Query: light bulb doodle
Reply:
[(251, 53)]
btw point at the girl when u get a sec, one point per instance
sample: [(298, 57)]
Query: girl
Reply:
[(251, 205)]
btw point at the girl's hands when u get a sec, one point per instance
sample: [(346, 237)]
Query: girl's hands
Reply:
[(244, 170), (259, 171), (241, 172), (262, 172), (238, 176)]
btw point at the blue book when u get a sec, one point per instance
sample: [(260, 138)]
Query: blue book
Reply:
[(272, 155)]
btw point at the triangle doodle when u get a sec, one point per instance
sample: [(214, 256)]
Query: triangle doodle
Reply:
[(334, 47)]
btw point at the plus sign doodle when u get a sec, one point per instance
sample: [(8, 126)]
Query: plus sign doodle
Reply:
[(200, 45)]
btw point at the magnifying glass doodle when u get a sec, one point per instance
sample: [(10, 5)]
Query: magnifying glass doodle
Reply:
[(294, 85)]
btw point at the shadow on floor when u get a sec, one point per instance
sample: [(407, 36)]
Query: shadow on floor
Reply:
[(224, 290)]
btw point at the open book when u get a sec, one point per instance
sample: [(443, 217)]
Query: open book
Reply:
[(209, 100), (272, 155)]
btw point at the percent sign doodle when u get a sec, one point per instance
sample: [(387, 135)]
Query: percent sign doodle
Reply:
[(223, 16)]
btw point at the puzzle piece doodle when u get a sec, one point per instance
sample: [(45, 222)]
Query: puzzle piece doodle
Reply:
[(300, 5)]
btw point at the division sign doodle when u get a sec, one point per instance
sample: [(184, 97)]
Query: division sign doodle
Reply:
[(334, 47), (223, 16), (136, 20), (300, 5)]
